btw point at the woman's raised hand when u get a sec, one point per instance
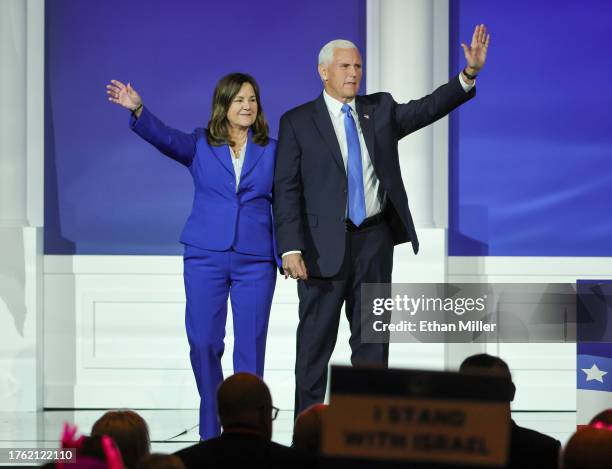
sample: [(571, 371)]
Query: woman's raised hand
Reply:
[(124, 95)]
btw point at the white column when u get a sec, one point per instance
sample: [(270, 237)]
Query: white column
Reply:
[(13, 113), (406, 71), (21, 161), (407, 56)]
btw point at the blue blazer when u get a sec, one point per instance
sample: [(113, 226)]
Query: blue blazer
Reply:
[(221, 217)]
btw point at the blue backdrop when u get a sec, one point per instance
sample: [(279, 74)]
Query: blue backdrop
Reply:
[(531, 156), (107, 191)]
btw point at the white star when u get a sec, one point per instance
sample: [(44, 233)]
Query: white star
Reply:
[(594, 373)]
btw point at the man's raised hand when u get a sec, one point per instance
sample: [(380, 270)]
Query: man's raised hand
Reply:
[(476, 53)]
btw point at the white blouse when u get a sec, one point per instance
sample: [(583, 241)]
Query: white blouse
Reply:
[(238, 162)]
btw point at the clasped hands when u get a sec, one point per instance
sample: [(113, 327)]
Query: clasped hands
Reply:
[(294, 267)]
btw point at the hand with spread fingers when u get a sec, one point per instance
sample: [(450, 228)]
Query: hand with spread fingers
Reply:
[(476, 52), (294, 267), (124, 95)]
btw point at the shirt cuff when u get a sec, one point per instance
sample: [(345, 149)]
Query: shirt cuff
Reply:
[(466, 87), (291, 252)]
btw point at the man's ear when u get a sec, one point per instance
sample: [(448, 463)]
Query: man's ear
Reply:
[(323, 72), (511, 391)]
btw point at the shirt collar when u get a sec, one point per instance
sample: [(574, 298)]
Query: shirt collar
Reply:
[(334, 106)]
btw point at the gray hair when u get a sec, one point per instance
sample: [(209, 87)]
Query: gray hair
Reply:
[(326, 56)]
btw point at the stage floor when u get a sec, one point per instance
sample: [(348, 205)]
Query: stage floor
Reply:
[(173, 429)]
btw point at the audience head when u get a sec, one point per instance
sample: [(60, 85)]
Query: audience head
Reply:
[(160, 461), (588, 448), (604, 417), (485, 364), (129, 431), (92, 448), (244, 404), (308, 429), (91, 454)]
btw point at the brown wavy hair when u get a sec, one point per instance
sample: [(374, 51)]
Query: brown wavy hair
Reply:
[(129, 432), (226, 90)]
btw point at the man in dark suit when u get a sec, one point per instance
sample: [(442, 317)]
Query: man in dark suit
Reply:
[(528, 448), (340, 204), (246, 414)]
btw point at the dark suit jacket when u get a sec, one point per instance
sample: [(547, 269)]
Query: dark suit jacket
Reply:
[(310, 182), (243, 450), (529, 448)]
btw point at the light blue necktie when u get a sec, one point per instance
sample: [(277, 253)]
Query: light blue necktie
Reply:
[(356, 197)]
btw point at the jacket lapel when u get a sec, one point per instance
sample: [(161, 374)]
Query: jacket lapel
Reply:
[(366, 121), (222, 152), (326, 128), (251, 157)]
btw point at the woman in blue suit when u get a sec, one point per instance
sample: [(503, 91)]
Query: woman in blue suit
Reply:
[(229, 246)]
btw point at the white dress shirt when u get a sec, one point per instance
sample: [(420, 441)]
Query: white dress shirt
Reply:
[(465, 86), (373, 200)]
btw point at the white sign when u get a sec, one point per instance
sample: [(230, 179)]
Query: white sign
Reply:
[(416, 429)]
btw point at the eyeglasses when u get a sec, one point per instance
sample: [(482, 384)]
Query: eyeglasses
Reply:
[(274, 410)]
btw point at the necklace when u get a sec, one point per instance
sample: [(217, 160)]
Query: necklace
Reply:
[(238, 148)]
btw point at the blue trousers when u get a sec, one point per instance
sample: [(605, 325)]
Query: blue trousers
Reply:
[(210, 276)]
